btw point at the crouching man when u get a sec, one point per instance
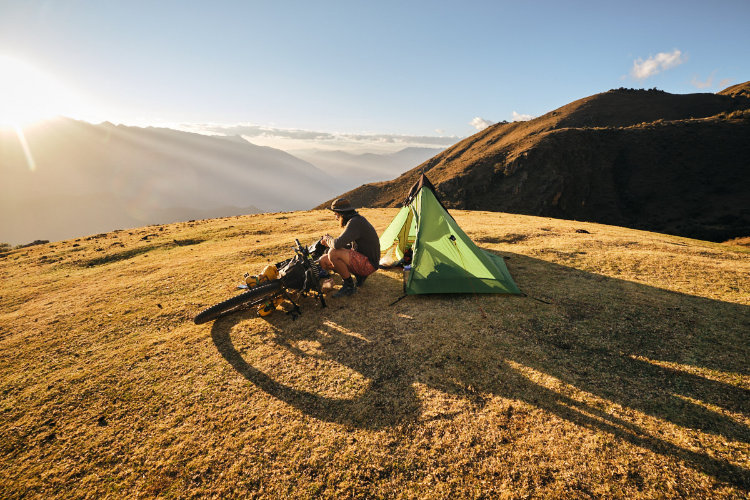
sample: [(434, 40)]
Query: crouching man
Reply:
[(356, 252)]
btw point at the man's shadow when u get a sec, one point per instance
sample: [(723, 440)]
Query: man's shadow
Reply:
[(595, 334)]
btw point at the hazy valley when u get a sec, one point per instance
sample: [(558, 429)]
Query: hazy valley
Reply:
[(69, 178)]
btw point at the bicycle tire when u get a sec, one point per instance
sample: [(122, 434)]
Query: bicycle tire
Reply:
[(253, 296)]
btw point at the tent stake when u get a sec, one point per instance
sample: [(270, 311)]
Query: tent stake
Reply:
[(397, 300), (534, 298)]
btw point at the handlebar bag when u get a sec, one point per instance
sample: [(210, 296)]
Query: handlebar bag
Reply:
[(293, 275)]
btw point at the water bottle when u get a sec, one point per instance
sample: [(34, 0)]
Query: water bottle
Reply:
[(407, 272)]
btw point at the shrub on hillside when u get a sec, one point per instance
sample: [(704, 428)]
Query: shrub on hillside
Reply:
[(34, 243)]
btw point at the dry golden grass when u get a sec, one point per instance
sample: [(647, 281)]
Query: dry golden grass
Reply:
[(623, 374), (739, 241)]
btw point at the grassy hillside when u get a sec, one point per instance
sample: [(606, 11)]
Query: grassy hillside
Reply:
[(624, 373)]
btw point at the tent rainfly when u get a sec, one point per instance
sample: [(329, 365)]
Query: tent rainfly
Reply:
[(444, 260)]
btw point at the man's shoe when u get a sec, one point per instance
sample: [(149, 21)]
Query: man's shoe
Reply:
[(360, 279), (345, 291)]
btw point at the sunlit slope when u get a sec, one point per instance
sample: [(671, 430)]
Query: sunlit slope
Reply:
[(622, 374), (646, 159)]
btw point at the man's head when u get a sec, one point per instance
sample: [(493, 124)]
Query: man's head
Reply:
[(343, 210)]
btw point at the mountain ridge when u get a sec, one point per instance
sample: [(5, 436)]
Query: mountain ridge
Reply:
[(613, 143), (360, 168)]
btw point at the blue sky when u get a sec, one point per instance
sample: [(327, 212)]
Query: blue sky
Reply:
[(408, 68)]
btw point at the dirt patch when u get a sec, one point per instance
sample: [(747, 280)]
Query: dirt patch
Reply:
[(508, 238)]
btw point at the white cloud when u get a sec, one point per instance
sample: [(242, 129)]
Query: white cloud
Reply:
[(709, 83), (518, 117), (656, 64), (703, 85), (480, 123)]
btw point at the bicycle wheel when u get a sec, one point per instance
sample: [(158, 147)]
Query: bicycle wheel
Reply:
[(251, 297)]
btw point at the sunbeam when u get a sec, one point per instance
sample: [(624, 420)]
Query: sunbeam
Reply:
[(26, 150)]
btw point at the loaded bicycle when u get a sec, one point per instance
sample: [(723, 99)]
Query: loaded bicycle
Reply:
[(299, 274)]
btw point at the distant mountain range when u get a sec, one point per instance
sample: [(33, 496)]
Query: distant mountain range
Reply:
[(368, 167), (71, 178), (644, 159)]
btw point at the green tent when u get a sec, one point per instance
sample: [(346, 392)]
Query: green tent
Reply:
[(445, 260)]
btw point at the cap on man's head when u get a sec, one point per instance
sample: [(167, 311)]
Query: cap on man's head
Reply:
[(341, 205)]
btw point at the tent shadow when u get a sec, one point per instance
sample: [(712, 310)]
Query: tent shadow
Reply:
[(630, 345)]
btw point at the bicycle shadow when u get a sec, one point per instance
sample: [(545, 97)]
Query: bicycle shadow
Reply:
[(605, 337), (389, 398)]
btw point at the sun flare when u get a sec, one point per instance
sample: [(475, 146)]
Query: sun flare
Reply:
[(28, 94)]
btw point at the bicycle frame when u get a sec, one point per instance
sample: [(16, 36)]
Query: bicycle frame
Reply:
[(290, 279)]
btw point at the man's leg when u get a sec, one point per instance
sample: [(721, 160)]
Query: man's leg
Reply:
[(339, 260), (325, 263)]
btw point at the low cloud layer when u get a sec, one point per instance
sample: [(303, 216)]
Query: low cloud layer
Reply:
[(290, 139), (654, 65)]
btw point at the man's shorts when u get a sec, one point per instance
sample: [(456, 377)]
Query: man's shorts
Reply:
[(359, 264)]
